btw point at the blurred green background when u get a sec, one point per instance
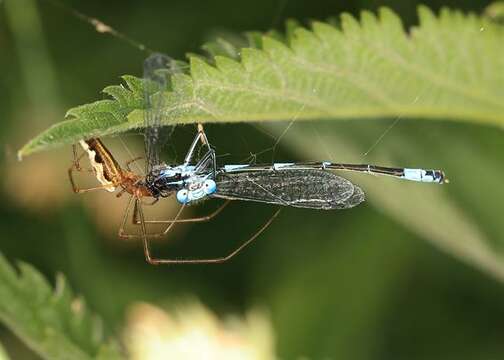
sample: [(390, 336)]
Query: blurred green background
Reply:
[(367, 283)]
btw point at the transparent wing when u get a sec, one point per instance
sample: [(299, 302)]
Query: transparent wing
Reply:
[(313, 189), (158, 69)]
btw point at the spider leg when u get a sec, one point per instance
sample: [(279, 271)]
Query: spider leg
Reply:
[(204, 218), (128, 163), (217, 260)]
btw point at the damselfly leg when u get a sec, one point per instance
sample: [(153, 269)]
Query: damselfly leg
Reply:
[(208, 160)]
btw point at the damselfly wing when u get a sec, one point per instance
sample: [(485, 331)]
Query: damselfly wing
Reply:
[(157, 72), (312, 189)]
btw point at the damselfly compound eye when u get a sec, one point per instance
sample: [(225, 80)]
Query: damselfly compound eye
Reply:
[(183, 196), (210, 187)]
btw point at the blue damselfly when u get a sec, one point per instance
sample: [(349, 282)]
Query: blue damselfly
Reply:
[(311, 185)]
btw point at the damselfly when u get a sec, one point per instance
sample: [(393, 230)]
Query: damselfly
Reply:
[(304, 185), (310, 185)]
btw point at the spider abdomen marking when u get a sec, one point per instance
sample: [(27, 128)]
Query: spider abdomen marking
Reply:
[(97, 163)]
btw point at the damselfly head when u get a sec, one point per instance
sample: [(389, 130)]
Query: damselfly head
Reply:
[(196, 192), (183, 196), (210, 186)]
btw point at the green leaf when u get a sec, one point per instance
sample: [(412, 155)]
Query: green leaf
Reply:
[(53, 323), (449, 67)]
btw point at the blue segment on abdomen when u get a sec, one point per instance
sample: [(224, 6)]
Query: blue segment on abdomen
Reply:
[(278, 166), (420, 175), (229, 168)]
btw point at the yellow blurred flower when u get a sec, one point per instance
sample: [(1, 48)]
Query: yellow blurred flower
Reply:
[(193, 332)]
